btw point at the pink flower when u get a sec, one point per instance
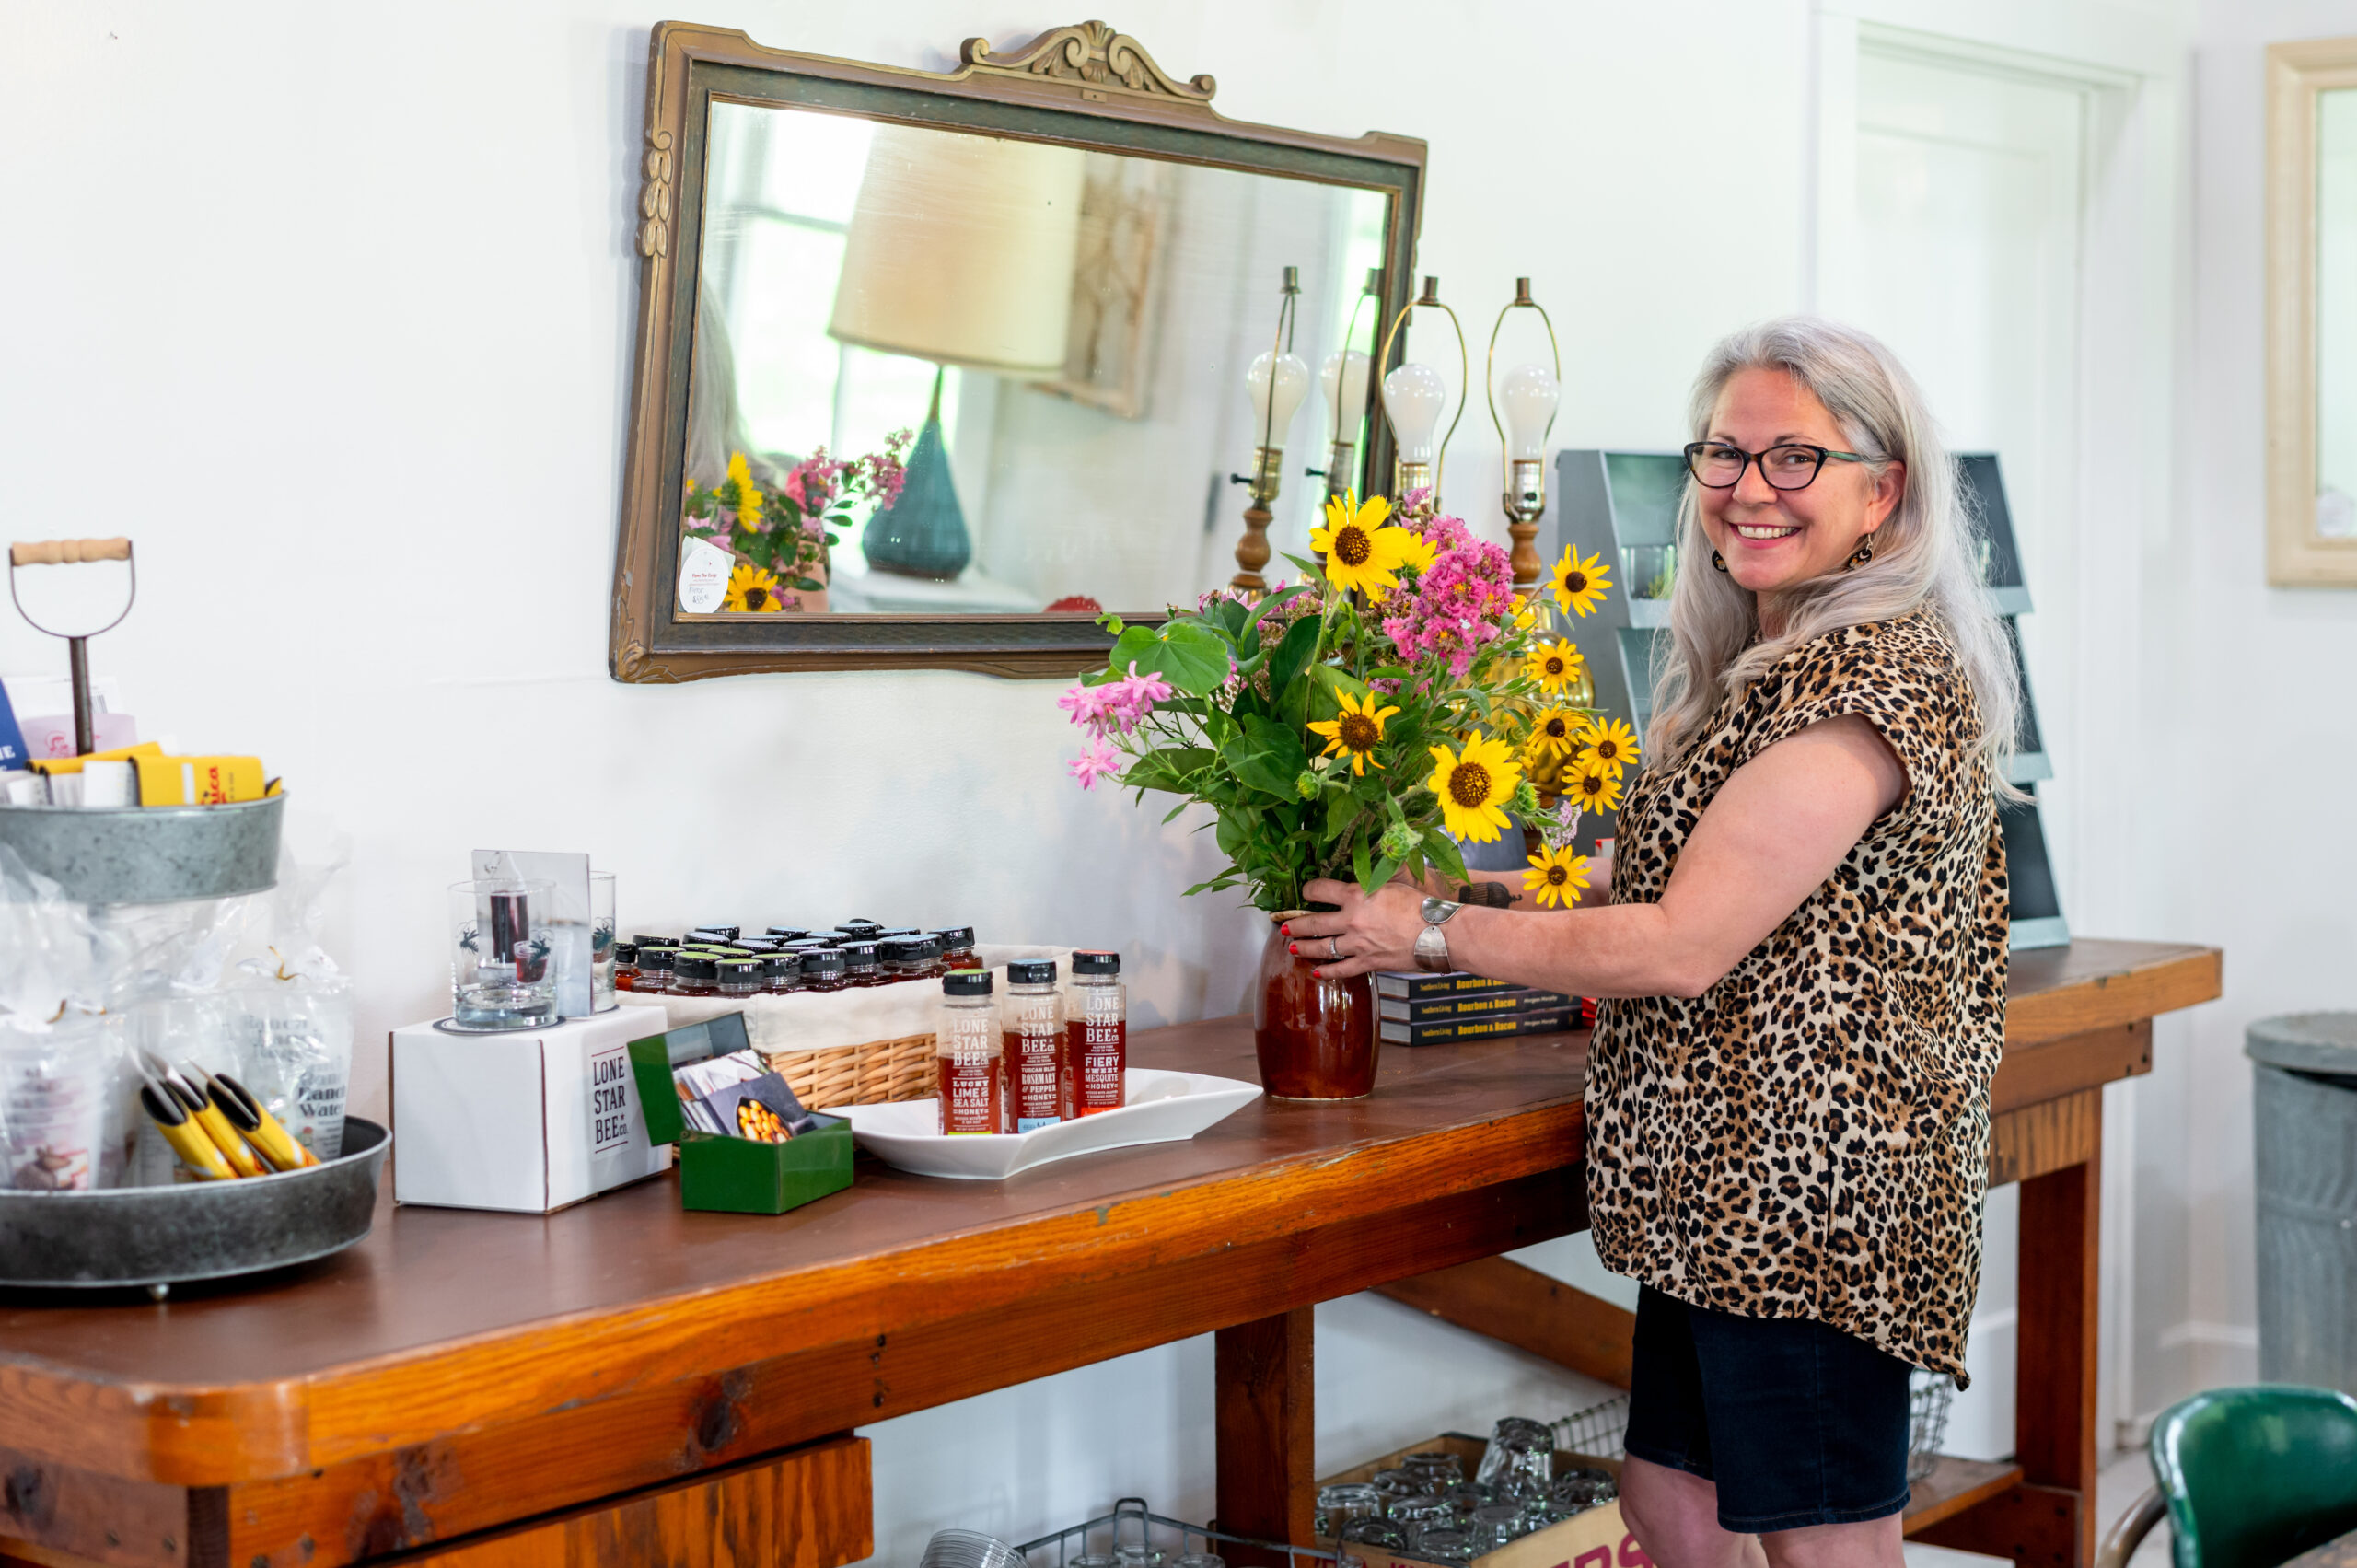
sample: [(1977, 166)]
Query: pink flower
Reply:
[(1089, 706), (1131, 698), (1096, 760)]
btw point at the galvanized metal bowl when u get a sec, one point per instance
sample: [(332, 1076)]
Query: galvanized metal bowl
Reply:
[(197, 1230), (149, 854)]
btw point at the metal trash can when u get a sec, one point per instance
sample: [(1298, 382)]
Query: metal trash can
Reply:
[(2304, 1103)]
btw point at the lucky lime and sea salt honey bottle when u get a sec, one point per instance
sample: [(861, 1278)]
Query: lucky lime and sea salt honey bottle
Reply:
[(969, 1056)]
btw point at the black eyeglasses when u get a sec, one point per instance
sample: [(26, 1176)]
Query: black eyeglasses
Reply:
[(1793, 466)]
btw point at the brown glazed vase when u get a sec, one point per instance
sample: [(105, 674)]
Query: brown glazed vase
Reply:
[(1316, 1037)]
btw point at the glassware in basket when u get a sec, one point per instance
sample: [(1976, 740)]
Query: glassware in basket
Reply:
[(1138, 1556), (1095, 1560), (1511, 1438), (1338, 1505), (1444, 1546), (1375, 1530), (1492, 1525), (1438, 1469), (1418, 1513), (1403, 1483), (1200, 1559), (1576, 1491), (1468, 1495), (968, 1549)]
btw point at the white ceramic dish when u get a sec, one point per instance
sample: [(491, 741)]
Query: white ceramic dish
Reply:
[(1163, 1107)]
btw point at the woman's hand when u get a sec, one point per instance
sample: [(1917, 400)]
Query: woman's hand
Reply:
[(1365, 935)]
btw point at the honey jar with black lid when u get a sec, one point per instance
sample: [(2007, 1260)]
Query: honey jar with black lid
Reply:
[(822, 970), (695, 974)]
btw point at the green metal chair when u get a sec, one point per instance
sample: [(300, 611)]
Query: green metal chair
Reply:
[(2249, 1478)]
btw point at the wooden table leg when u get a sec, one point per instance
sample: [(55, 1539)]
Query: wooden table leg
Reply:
[(2054, 1381), (1266, 1429)]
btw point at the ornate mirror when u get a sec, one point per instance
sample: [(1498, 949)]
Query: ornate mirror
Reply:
[(934, 368)]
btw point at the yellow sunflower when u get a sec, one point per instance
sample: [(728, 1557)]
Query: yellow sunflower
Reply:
[(1361, 553), (1556, 732), (1580, 584), (750, 588), (1596, 788), (1610, 744), (1472, 786), (1556, 877), (748, 499), (1555, 664), (1353, 732), (1416, 549)]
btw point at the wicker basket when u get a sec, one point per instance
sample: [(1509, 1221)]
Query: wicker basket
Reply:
[(878, 1071)]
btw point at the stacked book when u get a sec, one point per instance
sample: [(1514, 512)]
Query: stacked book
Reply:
[(1416, 1009)]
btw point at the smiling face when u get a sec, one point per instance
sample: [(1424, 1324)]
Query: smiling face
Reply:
[(1774, 539)]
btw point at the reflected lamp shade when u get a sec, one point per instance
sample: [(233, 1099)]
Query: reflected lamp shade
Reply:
[(960, 251), (923, 532)]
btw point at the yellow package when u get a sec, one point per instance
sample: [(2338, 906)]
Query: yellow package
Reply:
[(197, 781), (51, 765)]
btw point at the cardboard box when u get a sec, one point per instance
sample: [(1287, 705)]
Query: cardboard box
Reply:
[(527, 1120), (1597, 1539), (737, 1176)]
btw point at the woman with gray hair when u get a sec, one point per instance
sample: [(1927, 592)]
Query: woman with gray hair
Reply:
[(1804, 958)]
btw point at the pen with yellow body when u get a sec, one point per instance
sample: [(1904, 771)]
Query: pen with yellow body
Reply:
[(188, 1140), (251, 1118), (206, 1112)]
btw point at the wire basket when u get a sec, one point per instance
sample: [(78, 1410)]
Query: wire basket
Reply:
[(1129, 1523), (1928, 1394), (1599, 1430)]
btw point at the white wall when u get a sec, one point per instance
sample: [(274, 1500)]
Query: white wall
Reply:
[(331, 310)]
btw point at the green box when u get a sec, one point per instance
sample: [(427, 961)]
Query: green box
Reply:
[(733, 1176)]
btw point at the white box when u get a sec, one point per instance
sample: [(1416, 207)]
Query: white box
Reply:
[(529, 1120)]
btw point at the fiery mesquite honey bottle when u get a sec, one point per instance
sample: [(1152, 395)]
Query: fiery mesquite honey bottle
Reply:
[(1097, 1038)]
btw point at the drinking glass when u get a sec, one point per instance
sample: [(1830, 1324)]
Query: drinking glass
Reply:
[(1338, 1505), (1200, 1559), (968, 1549), (1375, 1530), (1510, 1432), (1442, 1545), (1649, 570), (501, 972), (1138, 1556), (1492, 1525), (601, 942), (1094, 1559), (1415, 1513), (1400, 1482), (1576, 1491), (1439, 1469), (1465, 1496)]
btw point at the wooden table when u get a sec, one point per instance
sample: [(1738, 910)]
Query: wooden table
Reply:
[(625, 1382), (2338, 1552)]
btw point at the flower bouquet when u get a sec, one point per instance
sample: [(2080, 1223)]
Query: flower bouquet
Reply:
[(780, 536), (1401, 697)]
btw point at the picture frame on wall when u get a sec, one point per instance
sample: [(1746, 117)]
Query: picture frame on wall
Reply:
[(2312, 313)]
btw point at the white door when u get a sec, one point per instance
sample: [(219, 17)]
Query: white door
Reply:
[(1963, 254)]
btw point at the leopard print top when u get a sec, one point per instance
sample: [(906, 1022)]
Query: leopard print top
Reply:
[(1809, 1138)]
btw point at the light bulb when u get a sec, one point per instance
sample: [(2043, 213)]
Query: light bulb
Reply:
[(1343, 380), (1412, 398), (1276, 384), (1529, 395)]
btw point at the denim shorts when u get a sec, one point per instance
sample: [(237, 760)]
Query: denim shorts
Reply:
[(1796, 1422)]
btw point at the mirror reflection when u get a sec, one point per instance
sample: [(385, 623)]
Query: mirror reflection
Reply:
[(1006, 377)]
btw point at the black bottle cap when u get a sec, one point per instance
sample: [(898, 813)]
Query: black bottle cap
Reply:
[(857, 927), (626, 952), (808, 944), (656, 941), (727, 933), (934, 945), (966, 982), (657, 958), (697, 966), (789, 933), (901, 950), (1031, 971), (1096, 963), (823, 961), (749, 967), (859, 957), (758, 945), (960, 937), (900, 931)]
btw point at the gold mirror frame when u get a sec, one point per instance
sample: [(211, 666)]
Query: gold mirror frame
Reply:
[(1085, 85), (2297, 554)]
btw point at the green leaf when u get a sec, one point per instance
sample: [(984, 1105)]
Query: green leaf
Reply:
[(1268, 756), (1187, 654), (1445, 855), (807, 584), (1359, 867), (1292, 656), (1169, 768), (1383, 873), (1110, 623)]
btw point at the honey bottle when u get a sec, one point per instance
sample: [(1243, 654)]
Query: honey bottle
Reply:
[(695, 974), (968, 1057), (1034, 1030), (1097, 1034)]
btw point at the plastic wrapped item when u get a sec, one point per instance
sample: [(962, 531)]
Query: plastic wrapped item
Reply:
[(59, 1061)]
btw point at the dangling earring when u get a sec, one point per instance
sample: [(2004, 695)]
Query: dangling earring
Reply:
[(1863, 553), (1718, 561)]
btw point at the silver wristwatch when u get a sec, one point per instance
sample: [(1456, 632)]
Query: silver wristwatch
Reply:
[(1432, 944)]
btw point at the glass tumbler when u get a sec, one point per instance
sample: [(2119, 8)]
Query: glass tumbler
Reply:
[(1199, 1560), (1400, 1482), (1492, 1525), (1338, 1505), (1375, 1530), (601, 942), (1576, 1491), (1512, 1438), (1138, 1556), (1439, 1470), (1649, 570), (502, 976), (1416, 1514), (1444, 1544)]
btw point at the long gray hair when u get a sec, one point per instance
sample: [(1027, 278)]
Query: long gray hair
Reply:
[(1926, 553)]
